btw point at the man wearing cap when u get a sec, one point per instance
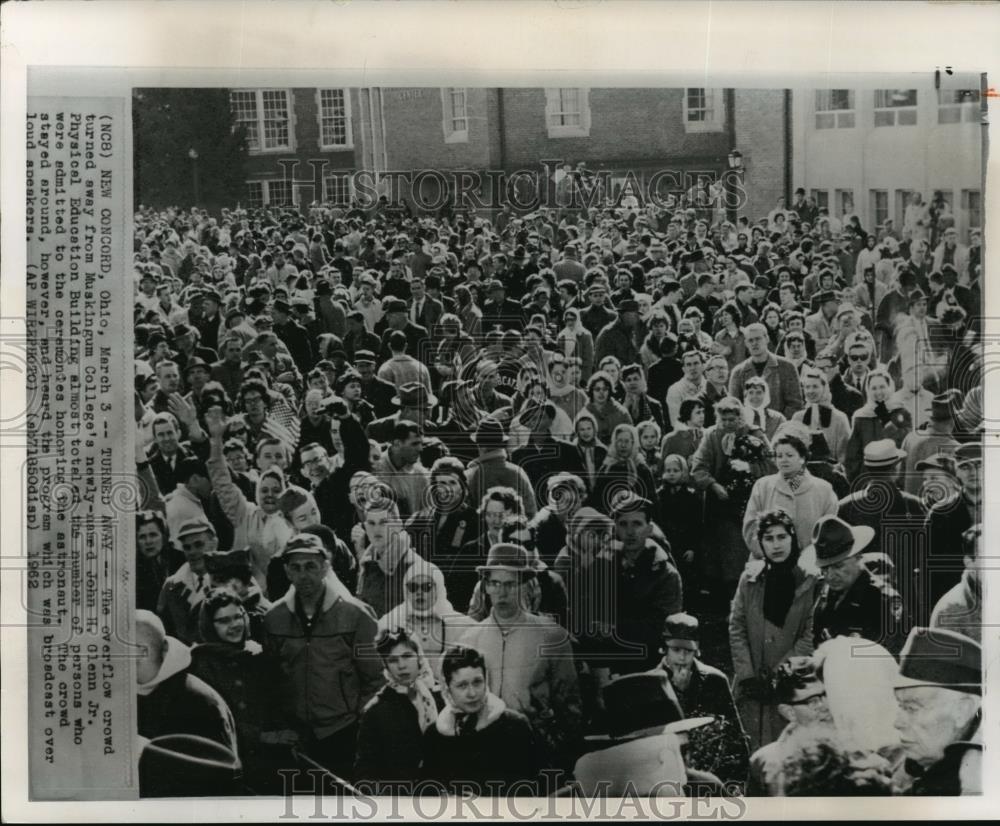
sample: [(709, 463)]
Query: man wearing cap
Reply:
[(620, 337), (501, 310), (939, 479), (597, 315), (323, 638), (186, 588), (948, 521), (801, 700), (529, 658), (851, 601), (939, 695), (922, 340), (377, 392), (722, 747), (934, 437), (820, 324)]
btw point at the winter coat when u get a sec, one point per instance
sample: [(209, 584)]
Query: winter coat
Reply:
[(758, 647), (327, 674), (814, 498)]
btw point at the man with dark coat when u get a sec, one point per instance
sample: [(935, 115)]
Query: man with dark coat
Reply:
[(703, 691), (619, 338), (293, 334), (171, 700), (379, 393), (939, 693), (544, 455), (852, 602), (500, 310), (843, 396)]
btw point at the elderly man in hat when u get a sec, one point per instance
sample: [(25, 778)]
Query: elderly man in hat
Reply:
[(852, 602), (188, 347), (949, 519), (934, 437), (800, 696), (529, 658), (500, 310), (820, 325), (323, 638), (939, 479), (961, 608), (939, 694), (643, 749), (722, 747), (414, 404)]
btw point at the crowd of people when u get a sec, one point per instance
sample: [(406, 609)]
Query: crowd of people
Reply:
[(634, 494)]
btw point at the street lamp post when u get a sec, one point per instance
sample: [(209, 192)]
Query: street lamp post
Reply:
[(733, 190), (193, 155)]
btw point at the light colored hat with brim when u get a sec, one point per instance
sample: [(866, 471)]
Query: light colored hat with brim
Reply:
[(506, 556), (644, 705), (833, 540), (943, 658), (882, 453), (197, 525)]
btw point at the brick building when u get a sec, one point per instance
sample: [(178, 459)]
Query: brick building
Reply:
[(665, 138)]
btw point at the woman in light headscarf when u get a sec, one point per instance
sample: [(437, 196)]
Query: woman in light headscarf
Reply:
[(564, 394), (576, 340), (756, 412), (426, 614), (391, 731), (623, 469)]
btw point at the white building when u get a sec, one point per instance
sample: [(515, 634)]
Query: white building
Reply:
[(872, 147)]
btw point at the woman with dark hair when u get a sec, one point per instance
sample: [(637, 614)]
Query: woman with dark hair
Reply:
[(793, 488), (236, 666), (608, 412), (391, 732), (476, 739), (156, 558), (770, 317), (770, 621), (729, 340)]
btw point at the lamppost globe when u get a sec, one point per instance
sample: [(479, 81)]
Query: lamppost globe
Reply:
[(193, 154)]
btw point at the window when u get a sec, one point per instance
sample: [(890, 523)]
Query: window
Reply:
[(972, 208), (334, 113), (879, 206), (903, 197), (337, 189), (455, 115), (255, 194), (834, 109), (266, 115), (567, 113), (821, 197), (956, 105), (845, 202), (895, 107), (704, 110)]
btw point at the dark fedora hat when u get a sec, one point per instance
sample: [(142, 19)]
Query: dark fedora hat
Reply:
[(834, 540), (940, 657), (644, 705), (489, 433), (506, 556), (197, 362), (943, 405)]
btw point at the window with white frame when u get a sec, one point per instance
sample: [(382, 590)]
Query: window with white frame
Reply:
[(879, 206), (834, 108), (337, 189), (704, 110), (972, 208), (334, 114), (957, 105), (895, 107), (821, 197), (845, 202), (454, 105), (567, 113), (255, 194), (266, 115)]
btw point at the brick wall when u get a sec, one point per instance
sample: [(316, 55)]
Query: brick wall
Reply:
[(760, 136)]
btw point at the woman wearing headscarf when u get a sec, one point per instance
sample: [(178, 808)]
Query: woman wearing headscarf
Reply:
[(881, 417), (562, 392), (426, 614), (623, 470), (793, 488), (608, 412), (756, 407), (770, 621), (575, 340), (391, 732), (820, 416), (237, 667)]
